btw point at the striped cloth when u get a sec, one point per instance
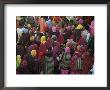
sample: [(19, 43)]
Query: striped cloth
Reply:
[(78, 64)]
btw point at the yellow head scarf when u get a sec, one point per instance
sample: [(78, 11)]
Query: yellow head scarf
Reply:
[(43, 39), (33, 53), (79, 26), (29, 25)]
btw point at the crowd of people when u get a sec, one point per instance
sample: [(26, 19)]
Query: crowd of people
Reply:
[(54, 44)]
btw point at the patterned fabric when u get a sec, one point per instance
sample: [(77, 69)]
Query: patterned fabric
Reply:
[(49, 65), (66, 61), (78, 64)]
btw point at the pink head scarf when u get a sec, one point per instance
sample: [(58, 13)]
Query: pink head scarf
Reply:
[(80, 21), (67, 50), (54, 29)]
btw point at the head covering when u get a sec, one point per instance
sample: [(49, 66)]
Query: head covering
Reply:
[(80, 21), (25, 30), (68, 44), (79, 26), (19, 31), (72, 27), (78, 47), (67, 50), (49, 23), (54, 29), (84, 34), (54, 37), (29, 25), (43, 39), (68, 27), (33, 53)]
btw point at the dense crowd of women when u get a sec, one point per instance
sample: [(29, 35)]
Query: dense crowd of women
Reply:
[(54, 44)]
